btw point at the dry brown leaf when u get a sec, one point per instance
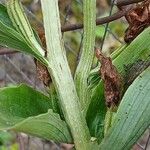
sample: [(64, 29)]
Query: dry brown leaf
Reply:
[(138, 19), (112, 80), (42, 71)]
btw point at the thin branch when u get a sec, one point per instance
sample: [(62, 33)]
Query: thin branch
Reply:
[(127, 2), (5, 52), (99, 21), (104, 20)]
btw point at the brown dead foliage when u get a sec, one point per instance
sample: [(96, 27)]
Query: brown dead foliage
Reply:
[(42, 71), (139, 19), (112, 80)]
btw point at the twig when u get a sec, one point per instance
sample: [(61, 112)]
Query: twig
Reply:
[(127, 2), (104, 20), (99, 21), (5, 52)]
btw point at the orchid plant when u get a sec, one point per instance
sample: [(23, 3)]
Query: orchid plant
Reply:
[(75, 112)]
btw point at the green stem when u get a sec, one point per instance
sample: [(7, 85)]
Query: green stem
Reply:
[(87, 55), (61, 75)]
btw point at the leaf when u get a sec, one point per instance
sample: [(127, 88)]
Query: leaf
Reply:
[(138, 19), (9, 37), (48, 126), (94, 76), (4, 16), (22, 25), (25, 110), (112, 80), (87, 53), (133, 116), (42, 73), (96, 113), (137, 50)]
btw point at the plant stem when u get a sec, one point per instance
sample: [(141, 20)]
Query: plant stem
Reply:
[(87, 55), (61, 75)]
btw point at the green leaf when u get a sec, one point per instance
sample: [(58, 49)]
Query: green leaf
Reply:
[(94, 78), (133, 116), (11, 38), (87, 53), (96, 114), (139, 49), (4, 16), (22, 25), (25, 110), (48, 126)]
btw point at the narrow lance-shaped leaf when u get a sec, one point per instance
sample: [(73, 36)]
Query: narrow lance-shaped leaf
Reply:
[(21, 23), (112, 80), (25, 110), (137, 50), (87, 53), (133, 116), (4, 16), (9, 37)]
